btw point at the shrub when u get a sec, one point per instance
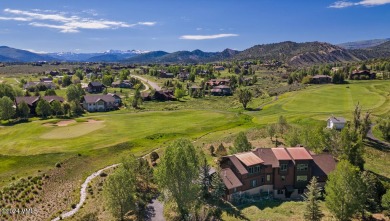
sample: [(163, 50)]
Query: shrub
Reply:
[(154, 156)]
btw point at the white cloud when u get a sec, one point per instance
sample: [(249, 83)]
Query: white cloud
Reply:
[(366, 3), (66, 23), (147, 23), (206, 37)]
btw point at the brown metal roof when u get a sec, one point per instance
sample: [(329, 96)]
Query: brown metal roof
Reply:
[(324, 164), (240, 168), (249, 158), (267, 156), (229, 178), (95, 98), (299, 153), (29, 100), (281, 154)]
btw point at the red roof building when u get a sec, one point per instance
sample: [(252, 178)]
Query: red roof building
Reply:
[(282, 172)]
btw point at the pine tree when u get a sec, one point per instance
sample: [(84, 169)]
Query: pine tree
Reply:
[(241, 143), (217, 186), (312, 210)]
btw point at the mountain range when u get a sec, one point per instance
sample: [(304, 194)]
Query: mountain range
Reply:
[(291, 53)]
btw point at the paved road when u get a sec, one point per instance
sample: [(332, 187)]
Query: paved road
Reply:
[(154, 85), (155, 211), (371, 136)]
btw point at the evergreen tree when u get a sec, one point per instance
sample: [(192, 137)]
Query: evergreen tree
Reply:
[(312, 210), (241, 143), (205, 180), (211, 149), (221, 150), (217, 186)]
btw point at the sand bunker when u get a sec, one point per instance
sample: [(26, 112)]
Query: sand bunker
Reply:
[(73, 130)]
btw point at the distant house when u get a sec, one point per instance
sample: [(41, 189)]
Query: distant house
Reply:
[(278, 172), (337, 123), (123, 84), (221, 90), (94, 103), (362, 75), (216, 82), (95, 87), (321, 79), (166, 75), (183, 76), (50, 99), (164, 95), (219, 68), (32, 101), (118, 100), (30, 86)]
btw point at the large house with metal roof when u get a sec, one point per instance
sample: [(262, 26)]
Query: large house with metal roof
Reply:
[(281, 172)]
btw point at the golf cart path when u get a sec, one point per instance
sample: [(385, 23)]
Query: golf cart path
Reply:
[(156, 205)]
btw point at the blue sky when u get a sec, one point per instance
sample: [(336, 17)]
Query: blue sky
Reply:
[(209, 25)]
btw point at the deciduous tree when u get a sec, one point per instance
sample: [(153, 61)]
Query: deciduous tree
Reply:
[(176, 183), (343, 191), (23, 110), (119, 192), (43, 108), (7, 110), (244, 96)]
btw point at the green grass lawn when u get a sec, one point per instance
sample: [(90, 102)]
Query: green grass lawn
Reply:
[(35, 145), (318, 102)]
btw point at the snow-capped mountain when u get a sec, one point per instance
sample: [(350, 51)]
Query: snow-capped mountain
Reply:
[(109, 55)]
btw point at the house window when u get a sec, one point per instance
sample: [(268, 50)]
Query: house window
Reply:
[(283, 167), (262, 179), (280, 192), (255, 169), (234, 190), (283, 178), (302, 167), (301, 178), (301, 191), (268, 178), (254, 183)]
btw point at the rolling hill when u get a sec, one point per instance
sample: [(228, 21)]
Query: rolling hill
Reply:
[(291, 53), (8, 54), (363, 44)]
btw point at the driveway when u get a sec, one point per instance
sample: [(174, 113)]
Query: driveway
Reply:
[(155, 211), (152, 84)]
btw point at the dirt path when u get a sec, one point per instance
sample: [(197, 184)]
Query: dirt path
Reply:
[(158, 207)]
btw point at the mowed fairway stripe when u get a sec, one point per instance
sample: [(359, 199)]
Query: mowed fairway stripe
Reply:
[(35, 138), (321, 101)]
